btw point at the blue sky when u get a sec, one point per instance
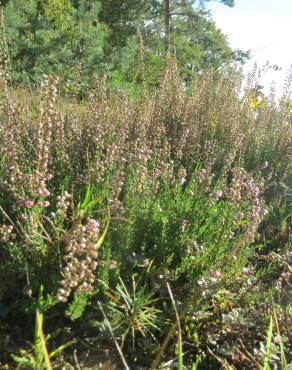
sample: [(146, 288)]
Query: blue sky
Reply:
[(262, 26)]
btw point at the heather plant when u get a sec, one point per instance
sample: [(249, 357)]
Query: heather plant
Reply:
[(184, 189)]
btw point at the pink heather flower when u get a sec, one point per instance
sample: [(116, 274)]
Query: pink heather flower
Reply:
[(92, 224), (183, 181), (43, 204), (113, 264), (27, 203), (218, 194), (203, 171), (286, 275), (215, 274), (24, 203), (44, 192)]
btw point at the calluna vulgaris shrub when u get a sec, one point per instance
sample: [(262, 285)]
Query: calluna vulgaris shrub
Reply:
[(198, 189)]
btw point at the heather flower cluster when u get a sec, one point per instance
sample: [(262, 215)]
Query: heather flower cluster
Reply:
[(30, 190), (204, 177), (257, 211), (243, 189), (63, 202), (81, 253), (47, 118), (238, 183), (6, 233), (29, 173)]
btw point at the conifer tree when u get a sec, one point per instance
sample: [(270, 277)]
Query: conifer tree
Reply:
[(53, 37), (93, 36)]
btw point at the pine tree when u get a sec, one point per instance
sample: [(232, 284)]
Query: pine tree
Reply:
[(86, 37), (167, 26), (53, 37)]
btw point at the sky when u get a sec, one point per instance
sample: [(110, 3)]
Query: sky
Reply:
[(262, 26)]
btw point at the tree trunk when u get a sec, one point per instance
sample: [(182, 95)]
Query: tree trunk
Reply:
[(167, 25)]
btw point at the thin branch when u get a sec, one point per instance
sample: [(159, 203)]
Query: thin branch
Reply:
[(222, 361), (48, 238), (76, 361), (177, 317), (172, 361), (9, 219), (251, 358), (172, 330)]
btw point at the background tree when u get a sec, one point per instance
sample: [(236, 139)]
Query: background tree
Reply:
[(53, 37), (78, 39), (189, 34)]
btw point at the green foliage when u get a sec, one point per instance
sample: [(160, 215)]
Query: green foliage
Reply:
[(165, 230), (195, 41), (39, 358), (78, 40), (56, 12), (268, 345), (41, 352), (132, 312), (78, 305), (54, 38)]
